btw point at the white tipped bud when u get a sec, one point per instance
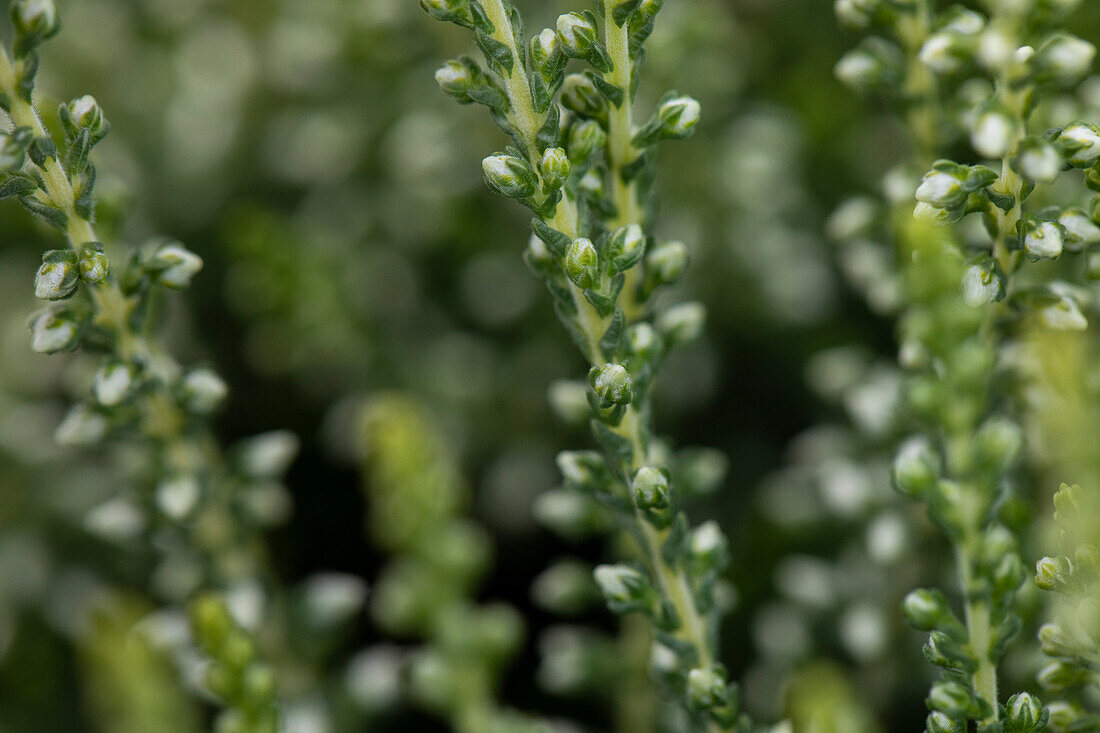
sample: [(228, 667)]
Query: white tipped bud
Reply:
[(268, 455), (612, 383), (57, 277), (1065, 315), (85, 113), (707, 539), (618, 582), (1080, 227), (204, 390), (52, 332), (578, 35), (178, 496), (81, 427), (944, 53), (112, 383), (682, 323), (454, 78), (679, 116), (115, 519), (1039, 161), (1043, 240), (174, 266), (508, 176), (981, 285), (941, 189), (992, 135), (1083, 142), (38, 17), (1065, 59)]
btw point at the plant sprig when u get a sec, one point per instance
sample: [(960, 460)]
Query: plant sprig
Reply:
[(586, 171)]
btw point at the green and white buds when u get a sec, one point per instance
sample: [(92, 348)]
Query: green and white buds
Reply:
[(94, 265), (554, 167), (204, 390), (582, 263), (873, 65), (577, 32), (1064, 59), (53, 331), (983, 283), (1082, 144), (454, 78), (509, 176), (174, 266), (621, 584), (58, 275), (650, 488), (676, 118), (681, 324), (13, 151), (84, 113), (612, 383), (916, 467), (1038, 160), (1025, 714), (113, 383), (927, 610), (941, 189), (1042, 239), (992, 134), (625, 248), (679, 115), (34, 21), (1079, 229)]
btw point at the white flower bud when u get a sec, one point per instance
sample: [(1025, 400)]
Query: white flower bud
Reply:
[(178, 496), (1065, 59), (36, 16), (569, 400), (12, 153), (682, 323), (58, 275), (582, 263), (52, 332), (1043, 240), (174, 266), (332, 598), (1080, 227), (454, 78), (992, 135), (707, 539), (650, 488), (1039, 161), (555, 166), (115, 519), (981, 285), (85, 113), (1024, 712), (1083, 140), (83, 426), (94, 266), (941, 189), (204, 390), (855, 13), (268, 455), (508, 176), (112, 383), (944, 53), (1065, 315), (612, 383), (578, 467), (995, 48), (578, 35), (617, 582), (679, 116)]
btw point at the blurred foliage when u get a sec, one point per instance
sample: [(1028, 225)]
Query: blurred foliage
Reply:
[(304, 151)]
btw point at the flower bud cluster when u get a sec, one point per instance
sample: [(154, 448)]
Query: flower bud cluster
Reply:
[(586, 171), (244, 685)]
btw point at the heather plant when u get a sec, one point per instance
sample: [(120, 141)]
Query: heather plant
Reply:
[(967, 296), (585, 169), (201, 508)]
